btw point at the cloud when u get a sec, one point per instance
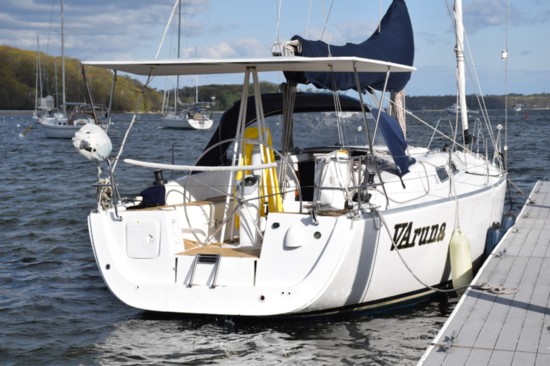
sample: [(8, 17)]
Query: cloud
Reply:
[(247, 47), (479, 14), (354, 31), (95, 29), (133, 29)]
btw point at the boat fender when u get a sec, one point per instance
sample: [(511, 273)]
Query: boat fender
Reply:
[(93, 142), (461, 261), (508, 220), (494, 234)]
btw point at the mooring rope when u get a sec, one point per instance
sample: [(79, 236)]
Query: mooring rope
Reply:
[(484, 286)]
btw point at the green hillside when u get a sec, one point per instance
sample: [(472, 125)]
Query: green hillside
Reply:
[(18, 79), (491, 101), (18, 82)]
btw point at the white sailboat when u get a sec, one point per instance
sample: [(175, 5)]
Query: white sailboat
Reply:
[(200, 113), (196, 116), (273, 220), (57, 123), (455, 109), (173, 114), (519, 107)]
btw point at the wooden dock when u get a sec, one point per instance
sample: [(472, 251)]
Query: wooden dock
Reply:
[(506, 320)]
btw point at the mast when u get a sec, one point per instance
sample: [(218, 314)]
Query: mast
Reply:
[(39, 60), (196, 82), (196, 89), (179, 54), (64, 107), (37, 76), (461, 79)]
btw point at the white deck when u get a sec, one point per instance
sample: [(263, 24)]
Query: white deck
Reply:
[(505, 329)]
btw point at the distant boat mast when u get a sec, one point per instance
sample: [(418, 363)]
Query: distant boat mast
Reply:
[(64, 107)]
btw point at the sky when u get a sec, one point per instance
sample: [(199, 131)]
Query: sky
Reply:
[(133, 30)]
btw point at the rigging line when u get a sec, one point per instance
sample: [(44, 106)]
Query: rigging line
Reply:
[(306, 35), (179, 30), (377, 102), (134, 119), (380, 102), (397, 250), (520, 191), (325, 26), (166, 28), (279, 6), (51, 27), (338, 111), (426, 124), (379, 16), (363, 109), (426, 190), (474, 79), (481, 100)]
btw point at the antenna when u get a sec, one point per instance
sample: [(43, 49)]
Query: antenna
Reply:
[(504, 57)]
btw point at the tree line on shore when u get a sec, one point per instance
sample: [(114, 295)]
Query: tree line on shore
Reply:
[(18, 86)]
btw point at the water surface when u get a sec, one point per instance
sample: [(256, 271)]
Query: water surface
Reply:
[(55, 308)]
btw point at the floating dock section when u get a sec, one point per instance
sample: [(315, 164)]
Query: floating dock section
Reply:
[(504, 317)]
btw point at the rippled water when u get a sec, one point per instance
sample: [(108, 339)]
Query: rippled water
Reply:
[(55, 308)]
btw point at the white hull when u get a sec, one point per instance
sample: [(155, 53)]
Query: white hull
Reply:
[(290, 211), (348, 265), (204, 123), (174, 122), (62, 130), (184, 122)]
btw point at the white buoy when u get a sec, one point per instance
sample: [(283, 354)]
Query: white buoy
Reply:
[(461, 261)]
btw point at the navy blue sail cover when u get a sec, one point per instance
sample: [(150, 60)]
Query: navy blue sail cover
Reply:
[(395, 140), (394, 43)]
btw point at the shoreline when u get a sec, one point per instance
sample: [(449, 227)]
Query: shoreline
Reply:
[(12, 111)]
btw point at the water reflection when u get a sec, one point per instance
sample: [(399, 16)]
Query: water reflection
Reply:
[(393, 338)]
